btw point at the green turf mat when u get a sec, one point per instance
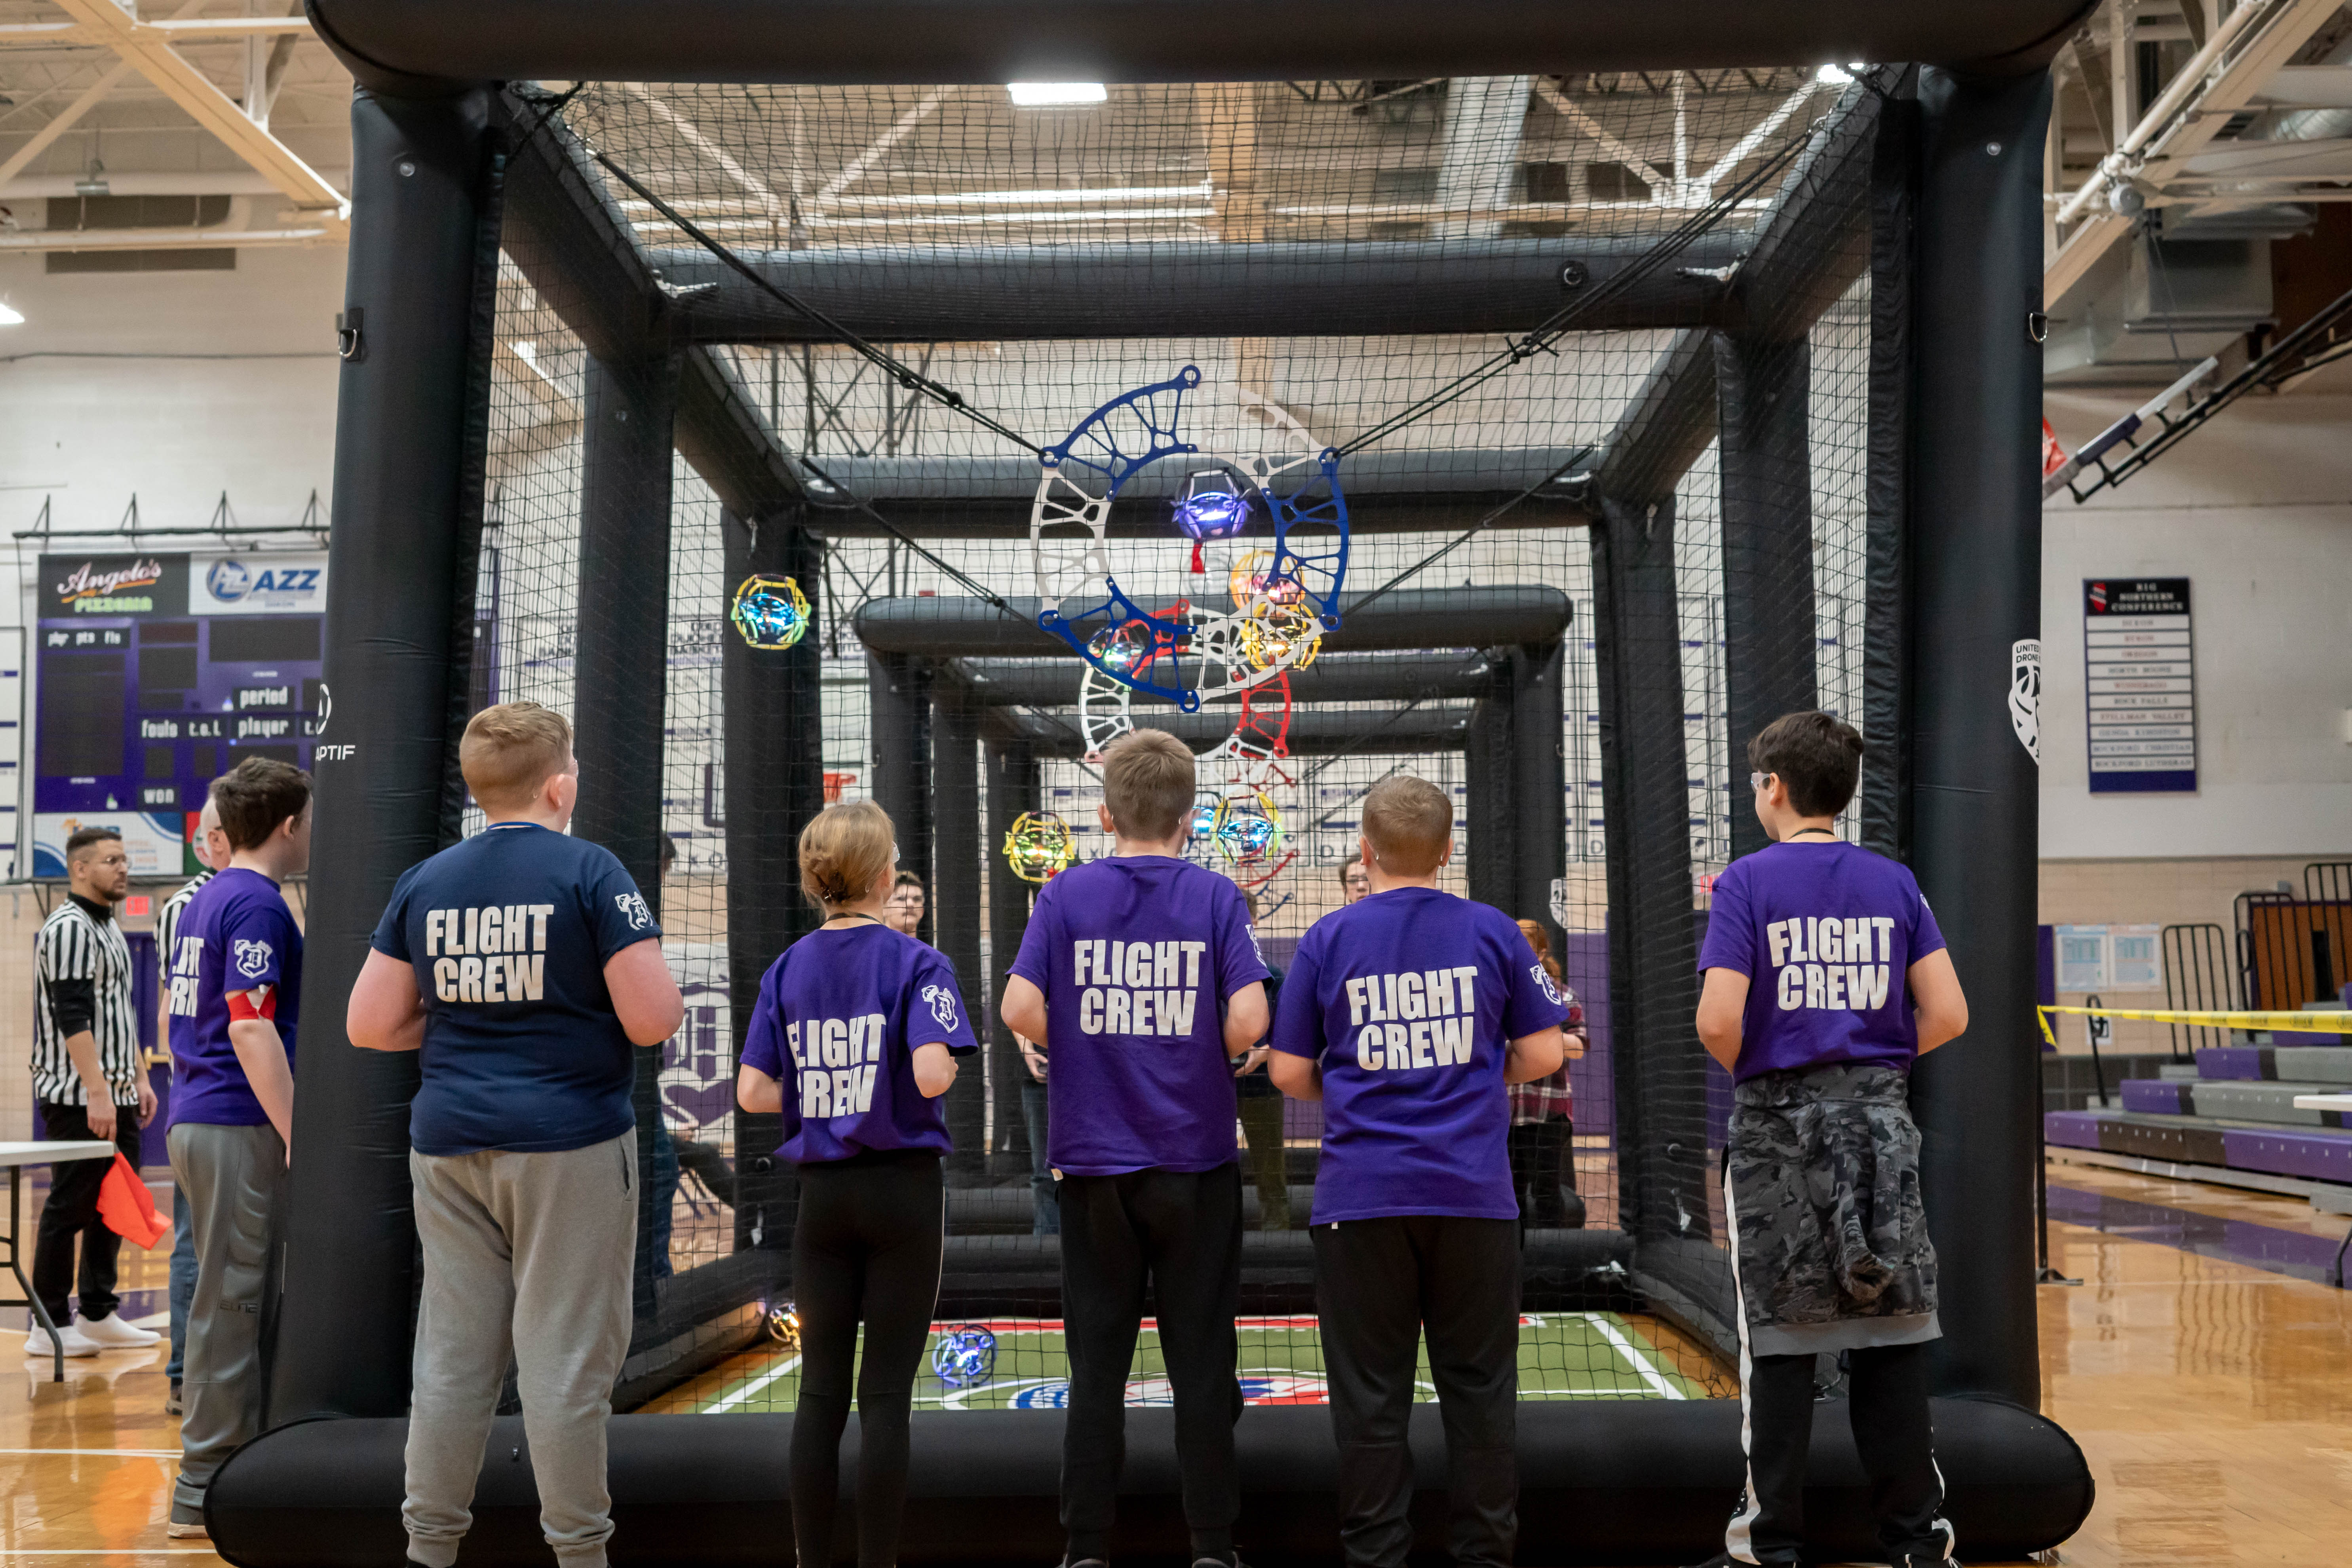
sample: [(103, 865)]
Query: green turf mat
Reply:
[(1562, 1356)]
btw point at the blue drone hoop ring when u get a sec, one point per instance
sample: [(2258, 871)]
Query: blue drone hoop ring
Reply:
[(1154, 414)]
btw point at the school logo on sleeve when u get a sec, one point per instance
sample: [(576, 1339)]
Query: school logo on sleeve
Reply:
[(943, 1005), (632, 909), (252, 959), (1551, 992)]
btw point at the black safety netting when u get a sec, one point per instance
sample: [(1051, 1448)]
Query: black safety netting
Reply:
[(1587, 361)]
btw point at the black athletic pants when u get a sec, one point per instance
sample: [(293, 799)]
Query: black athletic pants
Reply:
[(1381, 1284), (866, 1248), (72, 1211), (1889, 1410), (1182, 1232)]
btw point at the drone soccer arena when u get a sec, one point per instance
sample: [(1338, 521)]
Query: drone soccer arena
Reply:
[(1535, 399)]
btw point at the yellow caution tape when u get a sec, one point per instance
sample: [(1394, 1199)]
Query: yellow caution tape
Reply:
[(2306, 1023)]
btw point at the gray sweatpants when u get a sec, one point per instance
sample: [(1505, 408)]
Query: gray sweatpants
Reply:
[(526, 1256), (230, 1177)]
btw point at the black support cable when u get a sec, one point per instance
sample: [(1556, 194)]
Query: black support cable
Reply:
[(1459, 539), (898, 370), (859, 503)]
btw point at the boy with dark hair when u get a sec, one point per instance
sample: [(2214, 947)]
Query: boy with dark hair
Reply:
[(526, 966), (236, 989), (1140, 975), (1407, 1013), (1817, 954)]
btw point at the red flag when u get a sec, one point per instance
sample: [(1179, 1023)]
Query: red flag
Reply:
[(128, 1208), (2054, 456)]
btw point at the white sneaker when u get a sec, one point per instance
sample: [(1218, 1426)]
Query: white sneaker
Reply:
[(110, 1332), (38, 1344)]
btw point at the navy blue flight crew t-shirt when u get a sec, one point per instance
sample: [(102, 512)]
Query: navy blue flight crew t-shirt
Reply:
[(1408, 999), (508, 933), (839, 1020)]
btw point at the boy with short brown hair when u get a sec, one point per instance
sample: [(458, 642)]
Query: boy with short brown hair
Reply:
[(1140, 975), (1406, 1013)]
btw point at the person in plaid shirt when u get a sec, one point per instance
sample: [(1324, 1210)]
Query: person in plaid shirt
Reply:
[(1543, 1120)]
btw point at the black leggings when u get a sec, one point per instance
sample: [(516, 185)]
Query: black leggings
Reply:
[(866, 1248)]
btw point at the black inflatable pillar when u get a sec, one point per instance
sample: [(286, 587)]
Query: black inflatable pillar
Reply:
[(955, 905), (1653, 985), (775, 783), (620, 667), (1887, 652), (1013, 787), (1976, 564), (1487, 794), (899, 737), (411, 417), (1539, 768), (621, 657), (1762, 400)]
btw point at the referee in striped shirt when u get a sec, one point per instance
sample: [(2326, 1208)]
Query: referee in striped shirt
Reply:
[(87, 1080)]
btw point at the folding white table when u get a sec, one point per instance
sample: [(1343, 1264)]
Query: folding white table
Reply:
[(16, 1156)]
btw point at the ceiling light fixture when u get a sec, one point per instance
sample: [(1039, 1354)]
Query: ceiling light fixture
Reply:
[(93, 182), (1838, 76), (1055, 94), (9, 317)]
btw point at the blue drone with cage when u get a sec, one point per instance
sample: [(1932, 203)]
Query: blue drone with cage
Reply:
[(964, 1356), (1193, 654)]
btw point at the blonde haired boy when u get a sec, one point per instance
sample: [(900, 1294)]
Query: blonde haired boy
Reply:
[(525, 965)]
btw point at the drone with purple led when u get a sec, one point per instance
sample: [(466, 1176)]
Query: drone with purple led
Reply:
[(1201, 654)]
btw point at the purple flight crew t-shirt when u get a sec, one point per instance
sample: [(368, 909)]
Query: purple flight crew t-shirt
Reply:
[(1825, 933), (236, 934), (1408, 999), (838, 1021), (1136, 955)]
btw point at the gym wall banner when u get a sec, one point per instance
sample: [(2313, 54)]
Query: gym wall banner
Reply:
[(2140, 677), (153, 675)]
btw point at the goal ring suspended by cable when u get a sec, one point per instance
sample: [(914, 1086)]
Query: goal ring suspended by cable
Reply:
[(1202, 655)]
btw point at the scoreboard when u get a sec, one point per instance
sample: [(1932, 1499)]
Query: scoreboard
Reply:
[(154, 674)]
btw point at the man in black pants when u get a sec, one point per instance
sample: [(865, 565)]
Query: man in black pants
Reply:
[(1406, 1013), (90, 1084), (1126, 966)]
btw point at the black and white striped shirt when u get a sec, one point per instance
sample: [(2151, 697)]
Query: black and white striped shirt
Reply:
[(74, 946), (167, 925)]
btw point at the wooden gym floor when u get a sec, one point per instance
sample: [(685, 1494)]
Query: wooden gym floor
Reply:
[(2213, 1396)]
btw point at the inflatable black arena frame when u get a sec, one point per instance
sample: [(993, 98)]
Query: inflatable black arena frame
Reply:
[(1918, 190)]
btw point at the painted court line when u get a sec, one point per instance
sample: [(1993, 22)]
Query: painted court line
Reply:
[(783, 1369), (1643, 1367)]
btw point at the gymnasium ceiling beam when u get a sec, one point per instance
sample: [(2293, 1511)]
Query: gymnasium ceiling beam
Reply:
[(583, 262), (1194, 289), (418, 47)]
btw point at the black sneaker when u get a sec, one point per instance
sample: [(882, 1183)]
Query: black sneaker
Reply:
[(171, 1405), (1231, 1560)]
